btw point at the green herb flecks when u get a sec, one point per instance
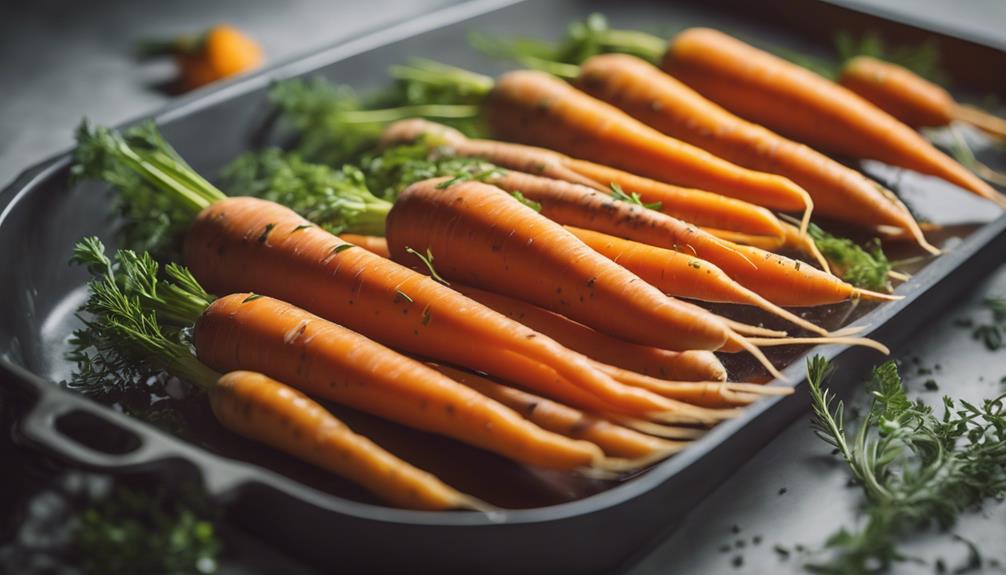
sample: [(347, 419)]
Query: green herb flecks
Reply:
[(129, 532), (915, 468), (867, 268), (427, 260), (633, 198), (338, 200)]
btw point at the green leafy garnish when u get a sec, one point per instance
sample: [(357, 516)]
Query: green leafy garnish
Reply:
[(867, 268), (427, 260), (536, 206), (337, 200), (129, 532), (915, 468), (619, 194)]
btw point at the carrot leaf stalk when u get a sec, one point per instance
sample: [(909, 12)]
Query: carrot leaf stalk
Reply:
[(334, 125), (583, 39), (337, 200), (866, 268)]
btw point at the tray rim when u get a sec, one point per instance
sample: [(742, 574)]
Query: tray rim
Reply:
[(240, 475)]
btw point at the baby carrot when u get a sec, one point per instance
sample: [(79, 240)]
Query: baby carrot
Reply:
[(646, 93), (614, 440), (680, 275), (265, 410), (509, 248), (536, 108), (797, 102), (241, 331)]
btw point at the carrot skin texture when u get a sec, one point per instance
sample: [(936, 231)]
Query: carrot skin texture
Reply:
[(646, 93), (535, 108), (374, 296), (373, 244), (265, 410), (614, 440), (324, 359), (698, 206), (781, 280), (483, 237), (899, 92), (798, 103), (693, 365)]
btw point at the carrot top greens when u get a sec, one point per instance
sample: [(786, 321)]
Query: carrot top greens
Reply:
[(915, 468), (135, 323)]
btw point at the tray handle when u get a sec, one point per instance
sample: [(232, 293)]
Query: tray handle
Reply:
[(40, 427)]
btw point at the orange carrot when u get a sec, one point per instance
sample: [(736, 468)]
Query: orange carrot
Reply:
[(780, 280), (267, 411), (614, 440), (536, 108), (680, 365), (373, 244), (646, 93), (696, 206), (680, 275), (483, 236), (797, 102), (911, 98), (381, 299), (324, 359)]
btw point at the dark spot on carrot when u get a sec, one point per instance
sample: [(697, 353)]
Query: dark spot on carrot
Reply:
[(265, 233)]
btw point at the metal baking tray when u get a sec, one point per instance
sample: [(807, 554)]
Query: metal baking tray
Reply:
[(558, 524)]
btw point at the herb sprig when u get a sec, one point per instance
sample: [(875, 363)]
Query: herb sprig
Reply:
[(915, 468)]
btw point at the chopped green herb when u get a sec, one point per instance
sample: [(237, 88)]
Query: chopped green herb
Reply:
[(620, 195), (915, 468), (529, 203), (427, 260)]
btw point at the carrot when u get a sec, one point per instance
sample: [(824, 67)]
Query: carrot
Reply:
[(797, 102), (643, 91), (780, 280), (218, 53), (614, 440), (373, 244), (910, 97), (265, 410), (696, 206), (484, 237), (308, 267), (680, 275), (133, 319), (693, 365), (324, 359), (536, 108)]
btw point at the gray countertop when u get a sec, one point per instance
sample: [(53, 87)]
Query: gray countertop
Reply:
[(62, 60)]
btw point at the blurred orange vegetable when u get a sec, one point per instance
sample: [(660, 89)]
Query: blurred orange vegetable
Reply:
[(218, 53)]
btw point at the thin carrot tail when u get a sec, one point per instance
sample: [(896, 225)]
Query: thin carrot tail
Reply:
[(914, 229), (754, 330), (750, 347), (625, 465), (863, 341), (870, 295), (657, 429)]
